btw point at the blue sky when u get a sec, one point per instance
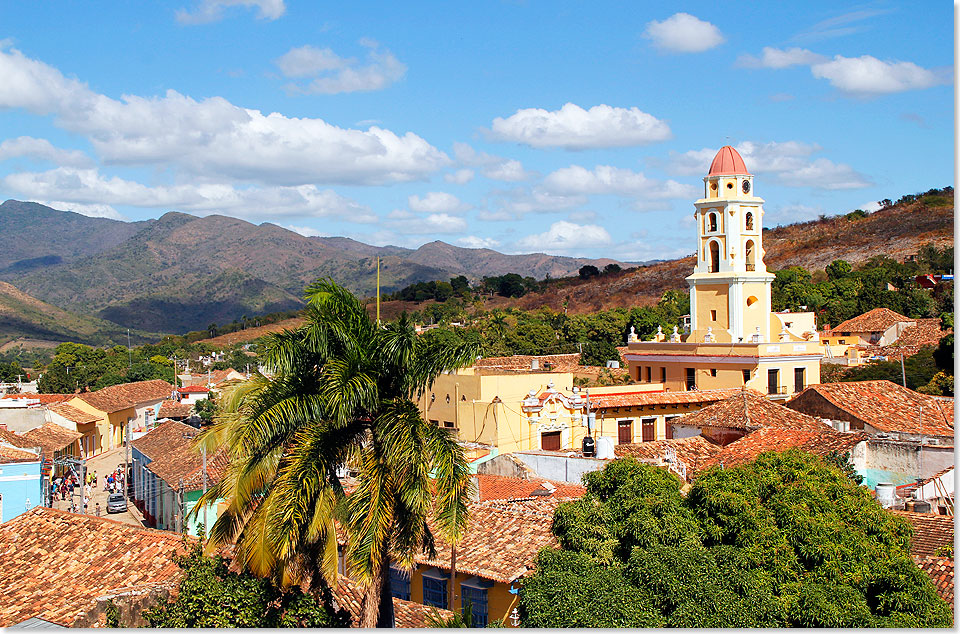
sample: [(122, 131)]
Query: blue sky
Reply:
[(572, 128)]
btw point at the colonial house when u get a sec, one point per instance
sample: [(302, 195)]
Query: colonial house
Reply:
[(736, 416), (190, 394), (510, 521), (818, 442), (735, 337), (133, 405), (880, 407), (877, 334), (168, 477), (55, 442)]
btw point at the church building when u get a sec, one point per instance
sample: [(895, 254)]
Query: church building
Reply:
[(734, 339)]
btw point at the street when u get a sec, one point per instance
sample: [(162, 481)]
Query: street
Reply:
[(102, 464)]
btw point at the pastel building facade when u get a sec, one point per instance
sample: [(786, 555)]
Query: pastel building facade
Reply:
[(735, 339)]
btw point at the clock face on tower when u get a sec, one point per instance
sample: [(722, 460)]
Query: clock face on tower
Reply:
[(746, 187)]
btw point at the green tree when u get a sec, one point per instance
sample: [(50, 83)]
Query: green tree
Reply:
[(784, 541), (587, 271), (340, 393), (206, 409), (838, 269), (210, 595)]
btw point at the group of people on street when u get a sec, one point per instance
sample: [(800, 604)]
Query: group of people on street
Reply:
[(65, 485)]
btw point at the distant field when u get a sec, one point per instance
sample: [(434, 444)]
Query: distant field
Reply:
[(243, 336), (28, 344)]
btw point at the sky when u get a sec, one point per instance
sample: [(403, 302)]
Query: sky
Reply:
[(569, 128)]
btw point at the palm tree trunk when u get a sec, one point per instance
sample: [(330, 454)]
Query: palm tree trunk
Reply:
[(377, 610)]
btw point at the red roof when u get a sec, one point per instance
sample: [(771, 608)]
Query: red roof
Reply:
[(940, 571), (728, 162), (193, 388), (494, 487), (636, 399), (876, 320), (767, 439)]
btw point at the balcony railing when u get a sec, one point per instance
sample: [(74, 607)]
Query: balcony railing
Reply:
[(776, 389)]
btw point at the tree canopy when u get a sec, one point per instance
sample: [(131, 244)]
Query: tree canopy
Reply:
[(784, 541)]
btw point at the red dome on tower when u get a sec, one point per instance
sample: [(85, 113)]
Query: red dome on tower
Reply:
[(728, 162)]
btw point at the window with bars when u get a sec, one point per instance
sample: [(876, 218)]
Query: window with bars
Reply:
[(399, 584), (435, 592), (477, 600)]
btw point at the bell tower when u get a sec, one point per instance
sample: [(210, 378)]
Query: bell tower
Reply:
[(730, 285)]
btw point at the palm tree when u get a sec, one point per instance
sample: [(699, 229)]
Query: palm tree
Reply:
[(341, 392)]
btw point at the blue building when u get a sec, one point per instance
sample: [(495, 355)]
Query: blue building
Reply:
[(21, 486)]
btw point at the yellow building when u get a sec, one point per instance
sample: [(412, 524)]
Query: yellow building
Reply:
[(111, 409), (735, 338), (533, 411)]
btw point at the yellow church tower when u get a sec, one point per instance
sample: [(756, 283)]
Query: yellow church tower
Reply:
[(730, 285), (735, 338)]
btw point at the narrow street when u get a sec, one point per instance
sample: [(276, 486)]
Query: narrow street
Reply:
[(102, 464)]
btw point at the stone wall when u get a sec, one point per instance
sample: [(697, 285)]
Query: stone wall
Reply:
[(130, 603), (21, 419), (905, 457), (560, 467)]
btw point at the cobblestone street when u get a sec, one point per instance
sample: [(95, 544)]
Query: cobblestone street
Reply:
[(102, 464)]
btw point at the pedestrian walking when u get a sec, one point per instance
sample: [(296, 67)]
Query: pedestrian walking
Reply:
[(98, 509)]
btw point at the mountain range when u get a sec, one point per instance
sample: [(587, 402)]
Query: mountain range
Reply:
[(181, 272)]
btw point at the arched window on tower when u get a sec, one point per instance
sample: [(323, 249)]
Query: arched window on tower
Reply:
[(714, 256), (751, 257), (749, 221), (713, 222)]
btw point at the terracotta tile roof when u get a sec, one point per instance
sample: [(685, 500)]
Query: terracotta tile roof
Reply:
[(748, 409), (13, 454), (13, 439), (406, 614), (927, 332), (940, 571), (173, 456), (184, 462), (693, 451), (493, 487), (930, 532), (44, 399), (54, 564), (635, 399), (160, 440), (117, 397), (876, 320), (539, 506), (51, 438), (887, 406), (819, 443), (500, 545), (173, 409), (72, 413), (193, 389), (559, 362)]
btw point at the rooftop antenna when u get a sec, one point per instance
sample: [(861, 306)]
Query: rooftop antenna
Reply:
[(378, 290)]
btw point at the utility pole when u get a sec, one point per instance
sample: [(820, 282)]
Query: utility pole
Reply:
[(203, 450), (903, 372), (126, 463), (179, 523), (378, 290), (129, 351)]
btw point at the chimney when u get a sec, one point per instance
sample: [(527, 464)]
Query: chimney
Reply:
[(535, 364)]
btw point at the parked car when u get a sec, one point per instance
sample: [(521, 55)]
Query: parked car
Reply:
[(116, 503)]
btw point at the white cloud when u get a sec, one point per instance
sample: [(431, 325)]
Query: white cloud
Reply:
[(476, 242), (460, 177), (605, 179), (333, 74), (790, 162), (867, 75), (565, 236), (510, 170), (212, 10), (780, 58), (437, 202), (574, 128), (401, 214), (518, 202), (840, 25), (308, 232), (582, 216), (683, 33), (440, 223), (92, 210), (42, 149), (493, 167), (89, 187), (789, 214), (213, 138)]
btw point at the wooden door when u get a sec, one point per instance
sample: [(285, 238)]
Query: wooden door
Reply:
[(550, 441), (624, 432), (648, 429)]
